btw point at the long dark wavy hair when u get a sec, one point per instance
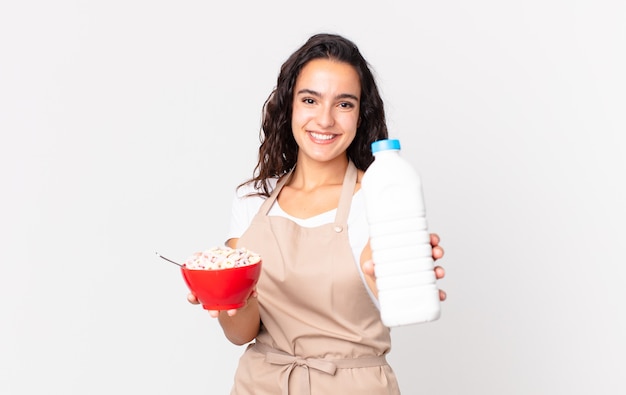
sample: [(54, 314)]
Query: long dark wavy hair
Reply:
[(278, 151)]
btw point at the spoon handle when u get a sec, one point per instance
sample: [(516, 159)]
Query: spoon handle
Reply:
[(169, 260)]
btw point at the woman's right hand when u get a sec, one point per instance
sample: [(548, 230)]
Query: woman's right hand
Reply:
[(191, 298), (240, 325)]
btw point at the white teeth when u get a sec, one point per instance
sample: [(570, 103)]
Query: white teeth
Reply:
[(318, 136)]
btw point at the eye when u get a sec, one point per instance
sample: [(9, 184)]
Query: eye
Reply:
[(346, 105), (308, 100)]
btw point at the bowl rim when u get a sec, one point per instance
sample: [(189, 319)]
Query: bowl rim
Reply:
[(184, 267)]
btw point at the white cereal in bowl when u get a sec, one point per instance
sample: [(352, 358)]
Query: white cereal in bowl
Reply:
[(217, 258)]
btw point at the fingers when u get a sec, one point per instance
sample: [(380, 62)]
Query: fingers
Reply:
[(437, 249), (192, 299), (216, 313), (434, 239), (368, 267), (437, 252), (230, 312), (439, 272)]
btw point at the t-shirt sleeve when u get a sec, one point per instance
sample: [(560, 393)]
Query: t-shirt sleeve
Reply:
[(243, 210)]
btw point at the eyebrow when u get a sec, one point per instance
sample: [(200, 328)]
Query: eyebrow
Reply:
[(317, 94)]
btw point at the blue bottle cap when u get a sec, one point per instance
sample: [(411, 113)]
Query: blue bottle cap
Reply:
[(384, 145)]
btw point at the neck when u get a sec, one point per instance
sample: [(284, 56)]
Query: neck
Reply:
[(309, 174)]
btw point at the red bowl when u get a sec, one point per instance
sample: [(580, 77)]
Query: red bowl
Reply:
[(222, 289)]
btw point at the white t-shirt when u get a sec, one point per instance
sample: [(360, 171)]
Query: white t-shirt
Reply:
[(244, 208)]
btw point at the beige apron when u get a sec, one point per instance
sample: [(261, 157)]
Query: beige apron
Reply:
[(320, 334)]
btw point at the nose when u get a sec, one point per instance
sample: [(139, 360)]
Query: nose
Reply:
[(325, 117)]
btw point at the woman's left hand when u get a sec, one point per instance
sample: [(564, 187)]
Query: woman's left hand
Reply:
[(438, 254), (368, 266)]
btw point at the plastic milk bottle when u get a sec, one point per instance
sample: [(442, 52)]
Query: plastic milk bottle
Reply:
[(399, 238)]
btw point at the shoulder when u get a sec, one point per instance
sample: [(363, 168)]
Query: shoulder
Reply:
[(248, 191), (247, 199), (246, 203)]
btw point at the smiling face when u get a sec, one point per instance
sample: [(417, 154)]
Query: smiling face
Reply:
[(325, 109)]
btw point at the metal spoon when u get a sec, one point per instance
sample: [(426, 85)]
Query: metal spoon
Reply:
[(169, 260)]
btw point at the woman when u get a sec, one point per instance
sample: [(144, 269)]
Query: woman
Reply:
[(314, 317)]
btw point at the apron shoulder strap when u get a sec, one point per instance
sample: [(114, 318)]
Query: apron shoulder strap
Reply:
[(345, 199), (267, 204)]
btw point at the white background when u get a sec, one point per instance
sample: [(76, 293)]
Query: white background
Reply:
[(125, 126)]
